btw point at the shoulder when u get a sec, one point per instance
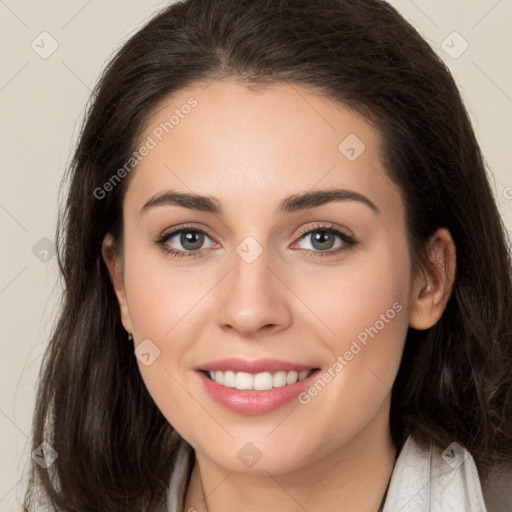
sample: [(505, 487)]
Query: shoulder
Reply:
[(428, 479), (180, 475), (425, 479), (497, 490)]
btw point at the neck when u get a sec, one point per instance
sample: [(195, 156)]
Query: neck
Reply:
[(354, 477)]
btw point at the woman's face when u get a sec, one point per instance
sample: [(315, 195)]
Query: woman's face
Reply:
[(260, 275)]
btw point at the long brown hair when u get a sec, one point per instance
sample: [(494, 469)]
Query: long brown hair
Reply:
[(115, 449)]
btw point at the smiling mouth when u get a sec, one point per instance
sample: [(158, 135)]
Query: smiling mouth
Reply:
[(263, 381)]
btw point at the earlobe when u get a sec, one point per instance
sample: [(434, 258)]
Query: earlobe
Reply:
[(433, 286), (114, 265)]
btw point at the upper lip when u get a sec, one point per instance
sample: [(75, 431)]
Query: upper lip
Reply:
[(254, 366)]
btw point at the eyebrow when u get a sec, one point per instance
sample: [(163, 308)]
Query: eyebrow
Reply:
[(291, 204)]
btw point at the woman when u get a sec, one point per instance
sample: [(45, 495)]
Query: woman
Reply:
[(337, 335)]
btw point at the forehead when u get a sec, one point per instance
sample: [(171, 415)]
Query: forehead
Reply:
[(248, 145)]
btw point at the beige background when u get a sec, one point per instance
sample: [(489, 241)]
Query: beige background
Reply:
[(42, 101)]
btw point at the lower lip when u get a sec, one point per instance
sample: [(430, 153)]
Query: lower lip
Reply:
[(254, 402)]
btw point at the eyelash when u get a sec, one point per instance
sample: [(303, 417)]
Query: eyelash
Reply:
[(348, 241)]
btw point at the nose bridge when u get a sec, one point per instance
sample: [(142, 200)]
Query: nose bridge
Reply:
[(252, 298)]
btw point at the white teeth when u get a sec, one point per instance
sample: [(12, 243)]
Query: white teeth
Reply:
[(279, 379), (242, 380), (263, 381), (304, 374), (258, 382), (293, 377), (229, 379)]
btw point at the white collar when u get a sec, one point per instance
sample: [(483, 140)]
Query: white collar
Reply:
[(431, 480), (423, 480)]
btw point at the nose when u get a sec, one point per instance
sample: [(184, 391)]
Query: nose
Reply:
[(253, 297)]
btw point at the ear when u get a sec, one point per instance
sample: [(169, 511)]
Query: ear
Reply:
[(432, 286), (115, 268)]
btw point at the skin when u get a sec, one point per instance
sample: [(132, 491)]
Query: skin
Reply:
[(250, 149)]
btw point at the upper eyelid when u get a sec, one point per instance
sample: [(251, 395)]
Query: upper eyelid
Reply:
[(331, 227)]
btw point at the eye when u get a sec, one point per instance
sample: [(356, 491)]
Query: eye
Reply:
[(190, 238), (322, 240)]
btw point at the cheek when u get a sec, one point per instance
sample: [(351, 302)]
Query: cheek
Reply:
[(161, 305), (161, 295), (376, 322), (367, 310), (365, 298)]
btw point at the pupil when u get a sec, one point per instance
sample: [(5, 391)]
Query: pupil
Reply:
[(321, 237), (193, 238)]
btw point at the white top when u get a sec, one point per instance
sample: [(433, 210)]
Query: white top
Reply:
[(423, 480)]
